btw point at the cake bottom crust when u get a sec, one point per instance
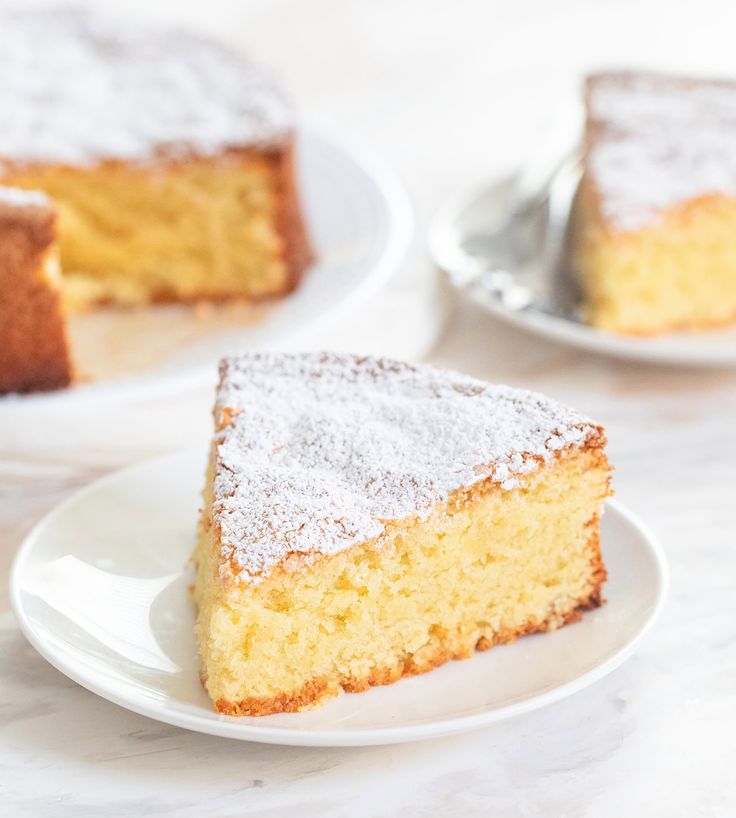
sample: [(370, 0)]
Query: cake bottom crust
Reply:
[(34, 351), (449, 649), (691, 325)]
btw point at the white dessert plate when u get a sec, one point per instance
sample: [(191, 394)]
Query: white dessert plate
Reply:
[(99, 588), (503, 246), (360, 223)]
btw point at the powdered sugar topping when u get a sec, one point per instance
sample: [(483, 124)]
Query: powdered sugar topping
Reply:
[(660, 140), (16, 197), (319, 451), (78, 87)]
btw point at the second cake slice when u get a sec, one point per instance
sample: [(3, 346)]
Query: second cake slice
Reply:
[(654, 224), (366, 519)]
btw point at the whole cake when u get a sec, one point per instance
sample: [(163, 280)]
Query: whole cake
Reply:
[(365, 519), (33, 347), (170, 160), (654, 223)]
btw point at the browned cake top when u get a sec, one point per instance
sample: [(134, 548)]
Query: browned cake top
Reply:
[(316, 452), (657, 140), (77, 87)]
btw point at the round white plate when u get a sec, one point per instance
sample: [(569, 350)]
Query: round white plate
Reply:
[(504, 249), (360, 224), (99, 587)]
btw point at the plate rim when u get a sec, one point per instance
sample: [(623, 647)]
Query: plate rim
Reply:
[(229, 726), (645, 350), (400, 220)]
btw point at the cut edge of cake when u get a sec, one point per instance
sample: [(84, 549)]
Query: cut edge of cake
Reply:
[(258, 576)]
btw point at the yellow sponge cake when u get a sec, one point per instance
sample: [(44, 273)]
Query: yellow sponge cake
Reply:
[(365, 519), (169, 158), (654, 222)]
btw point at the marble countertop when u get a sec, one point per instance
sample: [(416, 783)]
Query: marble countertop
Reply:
[(655, 738)]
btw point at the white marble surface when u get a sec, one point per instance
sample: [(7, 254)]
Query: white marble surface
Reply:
[(447, 92)]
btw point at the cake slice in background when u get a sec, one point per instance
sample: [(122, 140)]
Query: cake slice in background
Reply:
[(654, 223), (366, 519), (170, 158), (33, 347)]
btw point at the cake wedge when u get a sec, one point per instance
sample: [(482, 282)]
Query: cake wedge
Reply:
[(653, 229), (366, 519)]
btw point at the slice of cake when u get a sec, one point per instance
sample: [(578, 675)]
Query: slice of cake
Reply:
[(366, 519), (171, 159), (654, 225), (33, 348)]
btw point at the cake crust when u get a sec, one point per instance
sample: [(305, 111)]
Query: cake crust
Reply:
[(33, 351), (298, 250)]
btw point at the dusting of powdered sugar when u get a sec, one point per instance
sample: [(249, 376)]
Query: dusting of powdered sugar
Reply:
[(659, 140), (78, 87), (16, 197), (316, 452)]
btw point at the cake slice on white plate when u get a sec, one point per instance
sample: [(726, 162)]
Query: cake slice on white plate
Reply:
[(366, 519)]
